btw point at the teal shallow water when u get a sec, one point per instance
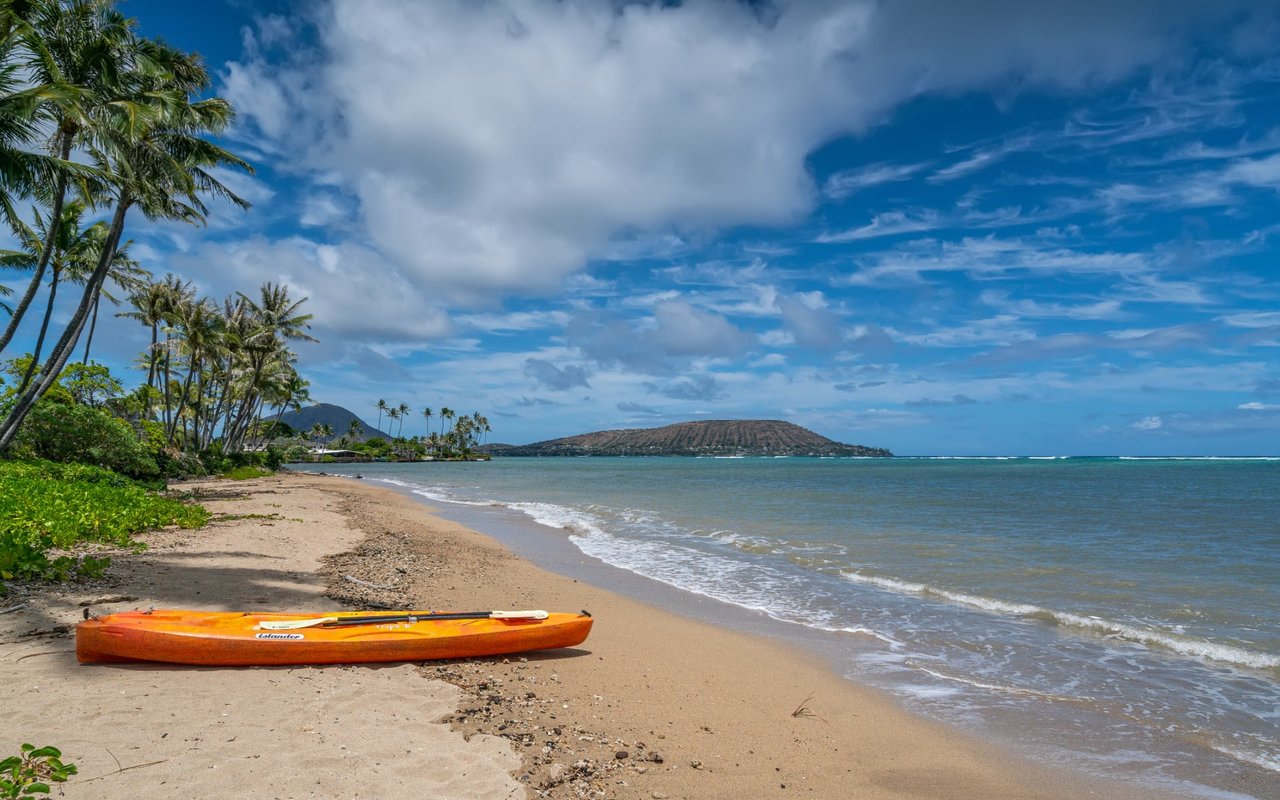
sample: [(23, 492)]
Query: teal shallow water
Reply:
[(1120, 614)]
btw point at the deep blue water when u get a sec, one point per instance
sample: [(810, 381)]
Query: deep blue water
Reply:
[(1122, 615)]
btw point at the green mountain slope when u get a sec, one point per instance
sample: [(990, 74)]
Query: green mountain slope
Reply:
[(335, 417)]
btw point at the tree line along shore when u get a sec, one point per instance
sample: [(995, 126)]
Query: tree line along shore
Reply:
[(101, 126)]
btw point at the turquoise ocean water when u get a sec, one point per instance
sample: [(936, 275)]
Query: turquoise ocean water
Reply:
[(1121, 616)]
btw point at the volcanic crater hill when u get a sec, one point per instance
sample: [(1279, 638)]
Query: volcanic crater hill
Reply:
[(336, 417), (707, 438)]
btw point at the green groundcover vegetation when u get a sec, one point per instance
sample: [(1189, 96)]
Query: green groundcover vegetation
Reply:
[(46, 507)]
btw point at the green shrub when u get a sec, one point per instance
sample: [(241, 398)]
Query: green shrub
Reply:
[(273, 458), (247, 472), (31, 773), (84, 434), (48, 506), (179, 466)]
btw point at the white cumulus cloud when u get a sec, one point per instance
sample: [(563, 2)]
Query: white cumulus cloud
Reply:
[(497, 147)]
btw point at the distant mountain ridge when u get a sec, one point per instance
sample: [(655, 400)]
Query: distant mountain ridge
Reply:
[(336, 417), (752, 437)]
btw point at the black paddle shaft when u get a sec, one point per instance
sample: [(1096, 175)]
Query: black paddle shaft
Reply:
[(344, 621)]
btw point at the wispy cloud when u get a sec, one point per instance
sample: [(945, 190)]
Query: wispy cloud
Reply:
[(514, 322), (1109, 309), (981, 159), (1005, 329), (1199, 151), (929, 402), (1205, 188), (992, 256), (1036, 349), (850, 181), (889, 223), (1252, 319)]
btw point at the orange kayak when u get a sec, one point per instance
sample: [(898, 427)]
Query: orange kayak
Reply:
[(238, 638)]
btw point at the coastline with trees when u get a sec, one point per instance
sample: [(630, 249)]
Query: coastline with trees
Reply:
[(325, 432), (98, 125)]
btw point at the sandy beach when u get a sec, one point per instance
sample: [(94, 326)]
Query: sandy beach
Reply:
[(653, 705)]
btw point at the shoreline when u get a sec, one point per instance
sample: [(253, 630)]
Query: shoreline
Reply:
[(617, 716)]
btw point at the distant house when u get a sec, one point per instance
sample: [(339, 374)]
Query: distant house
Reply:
[(327, 455)]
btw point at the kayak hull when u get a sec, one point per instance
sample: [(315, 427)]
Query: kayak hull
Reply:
[(235, 638)]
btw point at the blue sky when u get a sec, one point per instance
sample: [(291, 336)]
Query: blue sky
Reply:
[(943, 228)]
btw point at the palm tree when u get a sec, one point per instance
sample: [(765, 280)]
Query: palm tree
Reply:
[(150, 301), (156, 161), (426, 412), (179, 294), (125, 273), (73, 248), (71, 59), (404, 412), (393, 414), (267, 324), (200, 328), (25, 98), (278, 313), (263, 358), (382, 406), (353, 430), (445, 413), (462, 434)]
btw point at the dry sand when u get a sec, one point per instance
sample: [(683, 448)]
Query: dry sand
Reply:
[(652, 706)]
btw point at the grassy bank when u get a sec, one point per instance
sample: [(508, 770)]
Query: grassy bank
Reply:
[(47, 507)]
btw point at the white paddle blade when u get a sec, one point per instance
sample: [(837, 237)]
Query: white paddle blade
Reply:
[(519, 615), (293, 624)]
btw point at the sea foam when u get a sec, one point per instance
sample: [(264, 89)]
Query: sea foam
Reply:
[(1166, 640)]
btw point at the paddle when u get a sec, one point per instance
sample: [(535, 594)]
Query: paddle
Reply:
[(338, 622)]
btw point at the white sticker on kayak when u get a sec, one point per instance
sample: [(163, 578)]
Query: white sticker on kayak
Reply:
[(286, 636)]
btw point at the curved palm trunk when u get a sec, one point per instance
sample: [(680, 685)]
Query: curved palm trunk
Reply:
[(93, 323), (220, 388), (66, 343), (154, 356), (44, 329), (166, 377), (55, 222), (182, 399), (240, 425)]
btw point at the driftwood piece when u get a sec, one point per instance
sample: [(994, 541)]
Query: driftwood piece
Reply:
[(358, 582)]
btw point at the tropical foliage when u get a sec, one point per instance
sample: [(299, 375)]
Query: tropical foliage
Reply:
[(459, 438), (30, 773), (93, 116), (97, 125), (46, 506), (460, 441), (96, 122)]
